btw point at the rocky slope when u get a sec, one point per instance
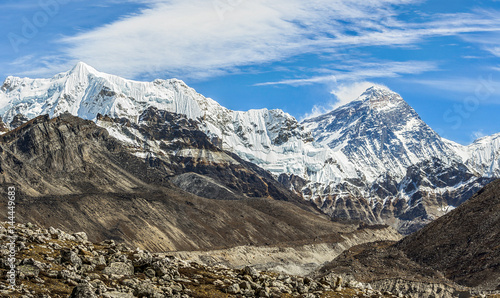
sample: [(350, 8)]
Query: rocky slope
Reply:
[(384, 267), (52, 263), (373, 160), (71, 174), (464, 244), (454, 255)]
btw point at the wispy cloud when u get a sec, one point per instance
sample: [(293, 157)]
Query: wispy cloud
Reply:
[(477, 134), (484, 89), (41, 67), (200, 39), (354, 71)]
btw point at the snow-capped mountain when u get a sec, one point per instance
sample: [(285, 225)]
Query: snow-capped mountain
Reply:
[(483, 156), (373, 159), (379, 132), (265, 137)]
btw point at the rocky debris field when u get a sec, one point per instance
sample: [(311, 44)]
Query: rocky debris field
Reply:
[(52, 263)]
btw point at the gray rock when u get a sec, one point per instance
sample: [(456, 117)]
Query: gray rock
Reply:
[(142, 259), (58, 234), (264, 292), (233, 289), (150, 272), (99, 261), (83, 291), (28, 270), (250, 271), (146, 289), (119, 268), (115, 294), (71, 257), (176, 288), (81, 237), (245, 285), (93, 276), (131, 283)]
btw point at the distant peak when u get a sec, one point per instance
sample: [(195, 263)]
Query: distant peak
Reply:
[(82, 67), (380, 96), (377, 90)]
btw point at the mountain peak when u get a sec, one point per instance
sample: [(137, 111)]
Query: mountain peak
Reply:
[(82, 68), (379, 97)]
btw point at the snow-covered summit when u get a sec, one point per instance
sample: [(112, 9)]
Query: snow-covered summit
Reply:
[(379, 132), (83, 91)]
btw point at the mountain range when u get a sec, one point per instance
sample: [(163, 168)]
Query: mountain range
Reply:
[(373, 159)]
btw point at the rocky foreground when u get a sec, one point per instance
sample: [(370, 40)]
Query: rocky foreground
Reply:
[(52, 263)]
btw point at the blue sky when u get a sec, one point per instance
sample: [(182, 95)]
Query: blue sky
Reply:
[(305, 57)]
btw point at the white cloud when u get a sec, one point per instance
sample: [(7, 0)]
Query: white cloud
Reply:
[(317, 110), (483, 89), (41, 67), (495, 51), (200, 38), (344, 93)]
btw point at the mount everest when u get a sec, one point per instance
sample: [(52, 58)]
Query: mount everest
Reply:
[(373, 159)]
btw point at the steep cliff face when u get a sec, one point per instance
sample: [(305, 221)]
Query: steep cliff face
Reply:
[(70, 173), (62, 156)]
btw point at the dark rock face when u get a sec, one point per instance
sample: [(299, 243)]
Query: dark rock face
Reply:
[(386, 268), (463, 244), (183, 148), (70, 173), (65, 155), (18, 120)]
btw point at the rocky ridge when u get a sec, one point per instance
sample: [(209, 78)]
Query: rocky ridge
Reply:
[(464, 244)]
